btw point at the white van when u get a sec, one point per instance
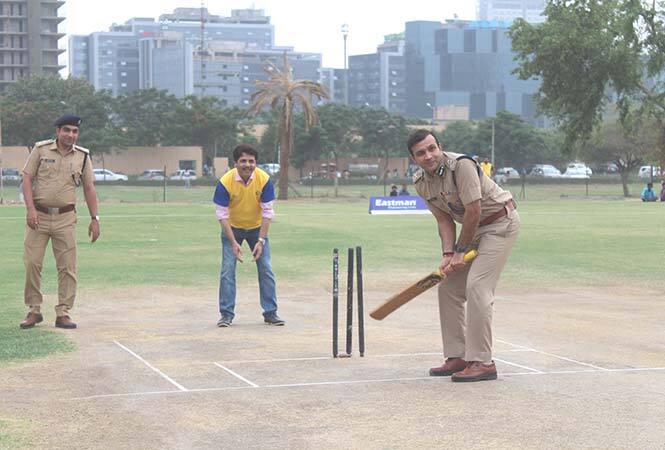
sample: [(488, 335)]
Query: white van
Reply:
[(645, 171), (577, 170)]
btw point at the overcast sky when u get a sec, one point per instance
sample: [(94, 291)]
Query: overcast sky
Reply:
[(308, 26)]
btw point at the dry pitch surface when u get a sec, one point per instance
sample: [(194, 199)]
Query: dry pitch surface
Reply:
[(152, 370)]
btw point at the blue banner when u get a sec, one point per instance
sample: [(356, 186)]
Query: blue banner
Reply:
[(397, 205)]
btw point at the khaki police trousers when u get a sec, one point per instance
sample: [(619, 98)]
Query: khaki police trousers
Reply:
[(466, 298), (61, 230)]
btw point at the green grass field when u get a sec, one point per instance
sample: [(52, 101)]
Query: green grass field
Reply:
[(567, 242)]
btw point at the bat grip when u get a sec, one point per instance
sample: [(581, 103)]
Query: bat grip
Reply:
[(468, 257)]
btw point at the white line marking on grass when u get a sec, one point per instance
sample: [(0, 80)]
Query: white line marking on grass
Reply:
[(379, 380), (553, 355), (518, 365), (162, 374), (240, 377)]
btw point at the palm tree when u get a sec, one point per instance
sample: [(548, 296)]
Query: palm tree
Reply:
[(282, 93)]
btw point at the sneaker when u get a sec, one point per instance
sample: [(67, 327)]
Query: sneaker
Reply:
[(225, 321), (273, 319)]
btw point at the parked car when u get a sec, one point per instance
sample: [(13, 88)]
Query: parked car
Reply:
[(183, 174), (270, 168), (577, 170), (10, 175), (108, 175), (504, 174), (152, 175), (545, 170), (645, 171)]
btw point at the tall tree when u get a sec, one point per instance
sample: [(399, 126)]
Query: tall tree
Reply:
[(31, 105), (591, 53), (145, 116), (282, 93)]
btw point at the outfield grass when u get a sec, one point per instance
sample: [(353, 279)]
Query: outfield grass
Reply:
[(566, 242)]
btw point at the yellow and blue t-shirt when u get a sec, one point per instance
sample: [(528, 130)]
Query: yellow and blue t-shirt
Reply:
[(244, 200)]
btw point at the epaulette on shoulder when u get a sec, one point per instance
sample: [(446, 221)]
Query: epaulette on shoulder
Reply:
[(82, 149), (44, 142), (418, 176)]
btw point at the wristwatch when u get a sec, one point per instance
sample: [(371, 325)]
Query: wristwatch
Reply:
[(460, 249), (262, 241), (94, 218)]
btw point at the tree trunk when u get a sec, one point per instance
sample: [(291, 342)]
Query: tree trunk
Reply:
[(624, 182), (286, 142)]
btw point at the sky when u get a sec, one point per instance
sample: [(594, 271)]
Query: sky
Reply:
[(308, 26)]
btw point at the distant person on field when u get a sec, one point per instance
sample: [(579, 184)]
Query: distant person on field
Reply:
[(21, 197), (648, 194), (244, 207), (662, 192), (486, 167), (393, 191), (395, 173), (404, 190), (187, 175)]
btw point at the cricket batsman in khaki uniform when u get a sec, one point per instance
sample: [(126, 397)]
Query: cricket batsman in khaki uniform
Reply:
[(55, 168), (456, 190)]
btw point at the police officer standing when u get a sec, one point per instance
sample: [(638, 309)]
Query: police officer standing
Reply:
[(55, 168), (456, 190)]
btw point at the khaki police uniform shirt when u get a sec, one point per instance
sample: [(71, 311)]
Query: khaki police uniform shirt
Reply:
[(458, 183), (55, 177)]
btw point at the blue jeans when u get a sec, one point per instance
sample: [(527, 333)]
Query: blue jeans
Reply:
[(227, 277)]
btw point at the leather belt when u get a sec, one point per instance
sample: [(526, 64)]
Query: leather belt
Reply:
[(62, 210), (508, 206)]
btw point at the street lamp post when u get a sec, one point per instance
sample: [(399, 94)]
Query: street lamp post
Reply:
[(429, 105), (345, 33)]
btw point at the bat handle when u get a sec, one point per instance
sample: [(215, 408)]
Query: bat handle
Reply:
[(468, 257)]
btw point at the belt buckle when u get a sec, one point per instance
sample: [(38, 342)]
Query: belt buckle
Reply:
[(53, 211)]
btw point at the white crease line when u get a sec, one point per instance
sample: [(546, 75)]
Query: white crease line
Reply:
[(381, 380), (518, 365), (162, 374), (553, 355), (240, 377)]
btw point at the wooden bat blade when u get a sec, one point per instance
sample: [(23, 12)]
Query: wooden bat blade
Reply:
[(413, 291), (405, 296)]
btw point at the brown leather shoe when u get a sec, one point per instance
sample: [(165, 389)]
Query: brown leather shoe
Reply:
[(449, 367), (31, 320), (476, 371), (64, 322)]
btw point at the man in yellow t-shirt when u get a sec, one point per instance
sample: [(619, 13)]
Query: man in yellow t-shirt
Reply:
[(486, 167), (244, 207)]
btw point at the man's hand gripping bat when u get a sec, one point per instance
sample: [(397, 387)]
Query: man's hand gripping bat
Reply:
[(411, 292)]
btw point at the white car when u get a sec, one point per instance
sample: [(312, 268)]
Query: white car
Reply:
[(10, 175), (645, 171), (546, 171), (506, 173), (270, 168), (152, 175), (107, 175), (183, 174), (577, 170)]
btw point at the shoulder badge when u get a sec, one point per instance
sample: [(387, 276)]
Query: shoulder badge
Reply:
[(82, 149), (44, 142), (418, 176)]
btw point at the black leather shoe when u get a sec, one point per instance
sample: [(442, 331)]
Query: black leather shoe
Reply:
[(225, 321), (273, 319)]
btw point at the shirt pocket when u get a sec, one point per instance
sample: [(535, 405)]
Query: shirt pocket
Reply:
[(76, 176), (453, 202), (47, 169)]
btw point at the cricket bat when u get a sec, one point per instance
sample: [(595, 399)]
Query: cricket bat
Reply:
[(413, 291)]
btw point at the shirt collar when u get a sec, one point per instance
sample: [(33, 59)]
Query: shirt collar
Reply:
[(239, 178)]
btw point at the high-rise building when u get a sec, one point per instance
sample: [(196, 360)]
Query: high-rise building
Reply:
[(189, 52), (378, 79), (29, 38), (509, 10), (333, 80), (466, 72)]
